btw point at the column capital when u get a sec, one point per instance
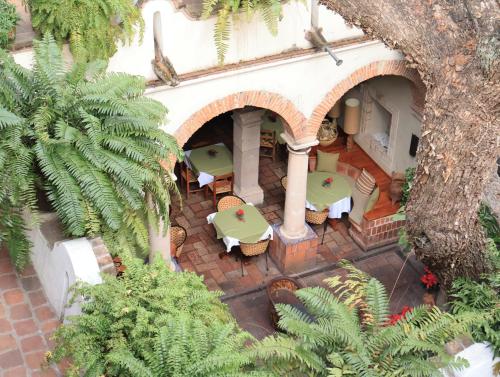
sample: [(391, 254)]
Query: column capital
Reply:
[(299, 145), (248, 116)]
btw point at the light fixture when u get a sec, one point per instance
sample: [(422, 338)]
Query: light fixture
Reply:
[(318, 40)]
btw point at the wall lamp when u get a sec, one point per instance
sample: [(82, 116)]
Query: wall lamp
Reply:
[(317, 39)]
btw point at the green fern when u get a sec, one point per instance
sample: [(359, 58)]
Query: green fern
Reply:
[(90, 141), (228, 10), (350, 334), (153, 322), (92, 27), (482, 297)]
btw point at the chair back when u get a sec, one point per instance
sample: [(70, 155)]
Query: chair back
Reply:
[(251, 249), (316, 217), (267, 138), (284, 181), (229, 201), (178, 236), (223, 183)]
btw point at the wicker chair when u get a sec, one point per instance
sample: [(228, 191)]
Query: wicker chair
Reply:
[(252, 249), (189, 179), (178, 236), (284, 181), (268, 143), (229, 201), (318, 218), (222, 184)]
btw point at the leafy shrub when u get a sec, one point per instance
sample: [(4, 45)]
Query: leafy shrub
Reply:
[(152, 322), (481, 297), (92, 27), (89, 141), (409, 175), (489, 223), (349, 334), (8, 20)]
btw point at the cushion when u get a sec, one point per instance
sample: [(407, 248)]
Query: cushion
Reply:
[(365, 183), (327, 162), (359, 204), (372, 199)]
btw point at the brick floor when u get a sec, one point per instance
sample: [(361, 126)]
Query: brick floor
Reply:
[(252, 310), (200, 253), (26, 323)]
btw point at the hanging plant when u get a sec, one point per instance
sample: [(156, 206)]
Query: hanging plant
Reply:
[(226, 10), (92, 27)]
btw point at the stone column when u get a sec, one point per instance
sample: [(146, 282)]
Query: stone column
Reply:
[(294, 245), (246, 148), (295, 200)]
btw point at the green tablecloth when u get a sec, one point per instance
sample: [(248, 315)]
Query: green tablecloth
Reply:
[(248, 231), (221, 163), (322, 197), (277, 127)]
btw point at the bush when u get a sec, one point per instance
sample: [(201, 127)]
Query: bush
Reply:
[(89, 141), (92, 27), (152, 322), (8, 20), (349, 333), (489, 223), (481, 297)]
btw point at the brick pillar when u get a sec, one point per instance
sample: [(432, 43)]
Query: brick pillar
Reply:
[(295, 244), (246, 148)]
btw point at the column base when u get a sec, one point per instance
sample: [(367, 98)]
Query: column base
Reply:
[(254, 195), (294, 255)]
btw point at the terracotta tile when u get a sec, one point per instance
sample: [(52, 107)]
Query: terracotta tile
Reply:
[(20, 311), (14, 296)]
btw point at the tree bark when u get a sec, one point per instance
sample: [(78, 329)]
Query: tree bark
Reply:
[(455, 47)]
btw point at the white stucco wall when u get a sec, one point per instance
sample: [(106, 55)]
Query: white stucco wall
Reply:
[(394, 94), (60, 263), (188, 43), (304, 81), (190, 46)]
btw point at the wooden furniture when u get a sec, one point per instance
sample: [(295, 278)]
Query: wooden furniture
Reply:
[(229, 201), (253, 249), (268, 144), (190, 180), (222, 184), (281, 290), (178, 236)]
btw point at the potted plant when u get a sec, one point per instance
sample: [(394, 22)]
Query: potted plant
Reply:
[(327, 133), (8, 21)]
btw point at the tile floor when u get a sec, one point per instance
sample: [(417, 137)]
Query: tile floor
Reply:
[(202, 248)]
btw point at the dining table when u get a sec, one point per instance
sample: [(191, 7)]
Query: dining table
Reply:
[(209, 161), (250, 228), (336, 196)]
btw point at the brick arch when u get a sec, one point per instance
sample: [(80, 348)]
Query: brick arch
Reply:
[(294, 119), (379, 68)]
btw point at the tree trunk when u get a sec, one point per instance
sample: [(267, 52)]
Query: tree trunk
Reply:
[(455, 49)]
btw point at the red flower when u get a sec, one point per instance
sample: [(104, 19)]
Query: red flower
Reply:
[(240, 212), (429, 280), (394, 318), (329, 180)]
